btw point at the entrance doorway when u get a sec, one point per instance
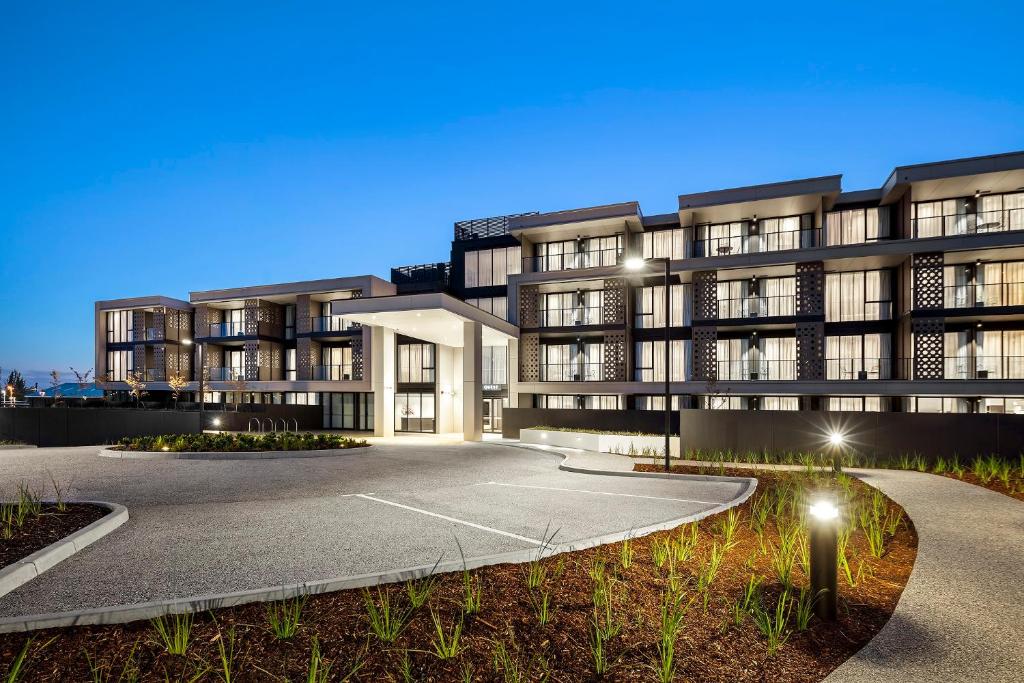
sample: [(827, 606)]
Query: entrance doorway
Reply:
[(492, 414)]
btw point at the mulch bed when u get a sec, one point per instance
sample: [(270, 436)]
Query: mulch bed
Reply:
[(49, 527), (1014, 490), (710, 647)]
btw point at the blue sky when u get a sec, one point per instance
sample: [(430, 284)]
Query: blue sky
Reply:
[(190, 146)]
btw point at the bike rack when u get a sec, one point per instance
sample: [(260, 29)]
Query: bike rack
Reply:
[(283, 423), (259, 427), (273, 427), (296, 422)]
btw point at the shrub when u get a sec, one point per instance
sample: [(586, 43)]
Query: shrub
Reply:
[(225, 442)]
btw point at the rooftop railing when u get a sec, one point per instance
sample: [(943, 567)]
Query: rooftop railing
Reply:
[(478, 228)]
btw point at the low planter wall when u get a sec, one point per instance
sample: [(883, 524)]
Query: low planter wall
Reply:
[(228, 455), (652, 421), (624, 444)]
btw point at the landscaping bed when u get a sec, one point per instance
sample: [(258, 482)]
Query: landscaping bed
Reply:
[(676, 602), (1001, 475), (27, 524), (237, 443)]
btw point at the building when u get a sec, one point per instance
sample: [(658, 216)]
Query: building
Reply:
[(795, 295)]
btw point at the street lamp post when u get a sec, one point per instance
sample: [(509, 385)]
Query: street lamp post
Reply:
[(202, 402), (637, 263)]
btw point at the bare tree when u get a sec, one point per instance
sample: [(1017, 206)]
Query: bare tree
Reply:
[(55, 385), (105, 383), (177, 383), (136, 387), (715, 396), (82, 379), (238, 386)]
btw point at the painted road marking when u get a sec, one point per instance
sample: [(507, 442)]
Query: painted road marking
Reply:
[(598, 493), (452, 519)]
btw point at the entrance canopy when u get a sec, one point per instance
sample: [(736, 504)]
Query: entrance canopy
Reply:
[(433, 317)]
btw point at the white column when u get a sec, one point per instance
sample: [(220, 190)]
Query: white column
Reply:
[(513, 373), (382, 380), (446, 389), (472, 389)]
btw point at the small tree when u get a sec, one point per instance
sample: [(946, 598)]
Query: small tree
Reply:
[(82, 380), (177, 383), (17, 381), (238, 387), (715, 396), (55, 385), (105, 383), (136, 387)]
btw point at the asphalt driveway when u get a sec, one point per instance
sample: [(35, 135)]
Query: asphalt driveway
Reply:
[(203, 527)]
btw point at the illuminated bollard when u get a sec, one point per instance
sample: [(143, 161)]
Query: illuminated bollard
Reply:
[(824, 523)]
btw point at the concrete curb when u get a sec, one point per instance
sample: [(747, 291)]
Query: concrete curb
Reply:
[(235, 455), (149, 610), (15, 446), (28, 568)]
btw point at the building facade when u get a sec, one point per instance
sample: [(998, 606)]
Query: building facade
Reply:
[(787, 296)]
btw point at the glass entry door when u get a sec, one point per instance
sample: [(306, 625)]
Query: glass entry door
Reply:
[(492, 414)]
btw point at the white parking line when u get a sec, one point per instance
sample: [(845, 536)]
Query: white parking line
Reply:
[(452, 519), (598, 493)]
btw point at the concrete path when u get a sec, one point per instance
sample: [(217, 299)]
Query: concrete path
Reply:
[(204, 527), (961, 616)]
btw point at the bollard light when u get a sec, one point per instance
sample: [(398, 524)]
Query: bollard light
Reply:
[(824, 532), (216, 422), (836, 439)]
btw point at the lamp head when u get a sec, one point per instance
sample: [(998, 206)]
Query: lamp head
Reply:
[(824, 510), (186, 342), (836, 439), (635, 263)]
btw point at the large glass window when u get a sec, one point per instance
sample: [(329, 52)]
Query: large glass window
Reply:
[(984, 284), (754, 236), (567, 309), (855, 226), (860, 295), (414, 412), (336, 364), (865, 404), (757, 358), (289, 364), (650, 306), (348, 411), (588, 252), (984, 354), (650, 360), (757, 298), (119, 365), (416, 363), (119, 326), (495, 365), (496, 305), (580, 402), (666, 244), (490, 267), (858, 356), (577, 362), (960, 216)]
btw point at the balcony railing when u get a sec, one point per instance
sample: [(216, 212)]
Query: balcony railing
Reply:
[(569, 317), (858, 368), (755, 370), (154, 375), (332, 373), (983, 367), (225, 374), (575, 260), (331, 323), (572, 372), (757, 243), (870, 310), (230, 329), (978, 295), (757, 307), (979, 223)]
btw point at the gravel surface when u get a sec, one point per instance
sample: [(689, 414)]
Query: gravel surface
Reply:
[(201, 527)]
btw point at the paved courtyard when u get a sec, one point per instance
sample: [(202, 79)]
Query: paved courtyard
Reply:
[(202, 527)]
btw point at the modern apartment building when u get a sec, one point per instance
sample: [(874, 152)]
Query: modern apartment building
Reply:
[(795, 295)]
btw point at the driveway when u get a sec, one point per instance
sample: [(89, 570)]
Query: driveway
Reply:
[(204, 527)]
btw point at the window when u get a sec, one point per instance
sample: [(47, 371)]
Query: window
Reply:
[(588, 252), (567, 309), (580, 402), (757, 358), (336, 364), (119, 326), (497, 305), (289, 321), (348, 411), (302, 398), (857, 404), (858, 356), (491, 267), (576, 362), (414, 412), (778, 403), (984, 354), (861, 295), (234, 363), (666, 244), (757, 297), (289, 364), (650, 306), (495, 365), (119, 365), (416, 363), (856, 226), (650, 360), (937, 404), (654, 402), (755, 235)]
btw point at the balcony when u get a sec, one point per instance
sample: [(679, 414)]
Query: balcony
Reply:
[(756, 370), (225, 374), (858, 368), (155, 375), (570, 317), (982, 295), (757, 243), (231, 329), (576, 260), (332, 373), (331, 323), (572, 372), (757, 307), (983, 367), (154, 334), (980, 223)]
